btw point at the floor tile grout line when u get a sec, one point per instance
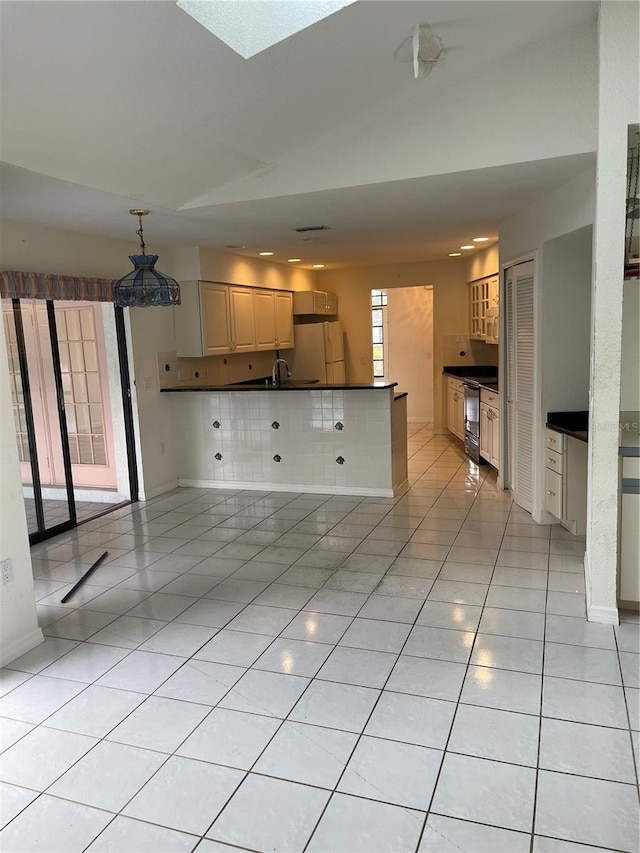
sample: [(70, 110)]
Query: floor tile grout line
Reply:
[(442, 490), (359, 739), (626, 705), (453, 720), (541, 706)]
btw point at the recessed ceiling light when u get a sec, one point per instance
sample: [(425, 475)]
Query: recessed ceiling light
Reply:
[(480, 239), (467, 247), (265, 254), (455, 254), (294, 260), (318, 266)]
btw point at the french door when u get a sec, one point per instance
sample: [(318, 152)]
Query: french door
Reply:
[(60, 384)]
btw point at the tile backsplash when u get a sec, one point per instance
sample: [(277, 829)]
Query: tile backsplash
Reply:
[(461, 350), (214, 369)]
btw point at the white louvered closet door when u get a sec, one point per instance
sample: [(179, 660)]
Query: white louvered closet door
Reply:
[(520, 379)]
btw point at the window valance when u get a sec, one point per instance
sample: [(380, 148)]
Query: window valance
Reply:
[(35, 285)]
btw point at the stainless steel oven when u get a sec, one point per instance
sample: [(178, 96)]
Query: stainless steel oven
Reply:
[(472, 419)]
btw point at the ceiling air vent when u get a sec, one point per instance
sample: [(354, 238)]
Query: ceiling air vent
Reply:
[(312, 228)]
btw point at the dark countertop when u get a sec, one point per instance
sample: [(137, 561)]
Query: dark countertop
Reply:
[(486, 375), (574, 424), (288, 386)]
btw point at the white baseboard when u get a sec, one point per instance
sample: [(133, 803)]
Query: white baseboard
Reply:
[(146, 495), (21, 647), (300, 488), (607, 615), (597, 612)]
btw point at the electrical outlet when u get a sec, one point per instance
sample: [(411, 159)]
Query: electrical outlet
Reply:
[(6, 571), (162, 448)]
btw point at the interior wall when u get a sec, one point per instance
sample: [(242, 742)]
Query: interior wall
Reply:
[(566, 210), (409, 347), (619, 107), (483, 263), (236, 269), (566, 321), (450, 313), (19, 631), (553, 76)]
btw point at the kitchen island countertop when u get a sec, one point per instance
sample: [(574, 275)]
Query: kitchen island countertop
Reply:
[(287, 386)]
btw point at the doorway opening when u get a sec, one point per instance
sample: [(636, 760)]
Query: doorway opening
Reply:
[(69, 385), (402, 345)]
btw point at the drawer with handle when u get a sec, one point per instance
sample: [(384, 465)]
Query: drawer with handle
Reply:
[(555, 441), (553, 492), (553, 460), (490, 398)]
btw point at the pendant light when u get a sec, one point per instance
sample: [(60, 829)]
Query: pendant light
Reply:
[(144, 285)]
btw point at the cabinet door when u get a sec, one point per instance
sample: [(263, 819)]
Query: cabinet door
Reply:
[(265, 319), (241, 317), (486, 432), (494, 459), (452, 397), (460, 414), (283, 311), (553, 492), (332, 303), (214, 318)]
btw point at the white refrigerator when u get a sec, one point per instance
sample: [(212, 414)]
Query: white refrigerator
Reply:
[(319, 353)]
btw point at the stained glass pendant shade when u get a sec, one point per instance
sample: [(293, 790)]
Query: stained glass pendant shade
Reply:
[(144, 285)]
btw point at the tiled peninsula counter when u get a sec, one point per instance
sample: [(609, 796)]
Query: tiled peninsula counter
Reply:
[(348, 439)]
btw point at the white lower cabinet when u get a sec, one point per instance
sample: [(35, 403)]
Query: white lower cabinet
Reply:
[(629, 580), (490, 429), (565, 481), (455, 408)]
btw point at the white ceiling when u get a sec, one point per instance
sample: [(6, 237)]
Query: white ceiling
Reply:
[(111, 105)]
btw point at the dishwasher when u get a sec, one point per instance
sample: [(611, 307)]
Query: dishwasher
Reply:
[(472, 419)]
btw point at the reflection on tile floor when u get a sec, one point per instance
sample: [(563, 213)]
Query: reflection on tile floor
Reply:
[(57, 512), (282, 672)]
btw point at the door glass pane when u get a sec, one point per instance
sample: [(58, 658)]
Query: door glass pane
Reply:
[(36, 416)]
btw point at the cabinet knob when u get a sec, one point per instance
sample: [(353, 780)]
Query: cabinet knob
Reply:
[(218, 456), (549, 492), (275, 425), (340, 460), (339, 425), (216, 424), (552, 440), (277, 458)]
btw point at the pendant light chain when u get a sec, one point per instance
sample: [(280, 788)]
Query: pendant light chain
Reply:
[(140, 234)]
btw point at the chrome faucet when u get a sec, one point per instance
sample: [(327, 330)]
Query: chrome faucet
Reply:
[(275, 371)]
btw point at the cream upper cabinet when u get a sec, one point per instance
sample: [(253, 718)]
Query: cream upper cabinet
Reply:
[(216, 319), (214, 315), (314, 302), (273, 312), (283, 312), (202, 320), (484, 309), (241, 319), (265, 319)]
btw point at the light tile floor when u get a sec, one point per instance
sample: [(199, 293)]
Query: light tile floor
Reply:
[(282, 672)]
